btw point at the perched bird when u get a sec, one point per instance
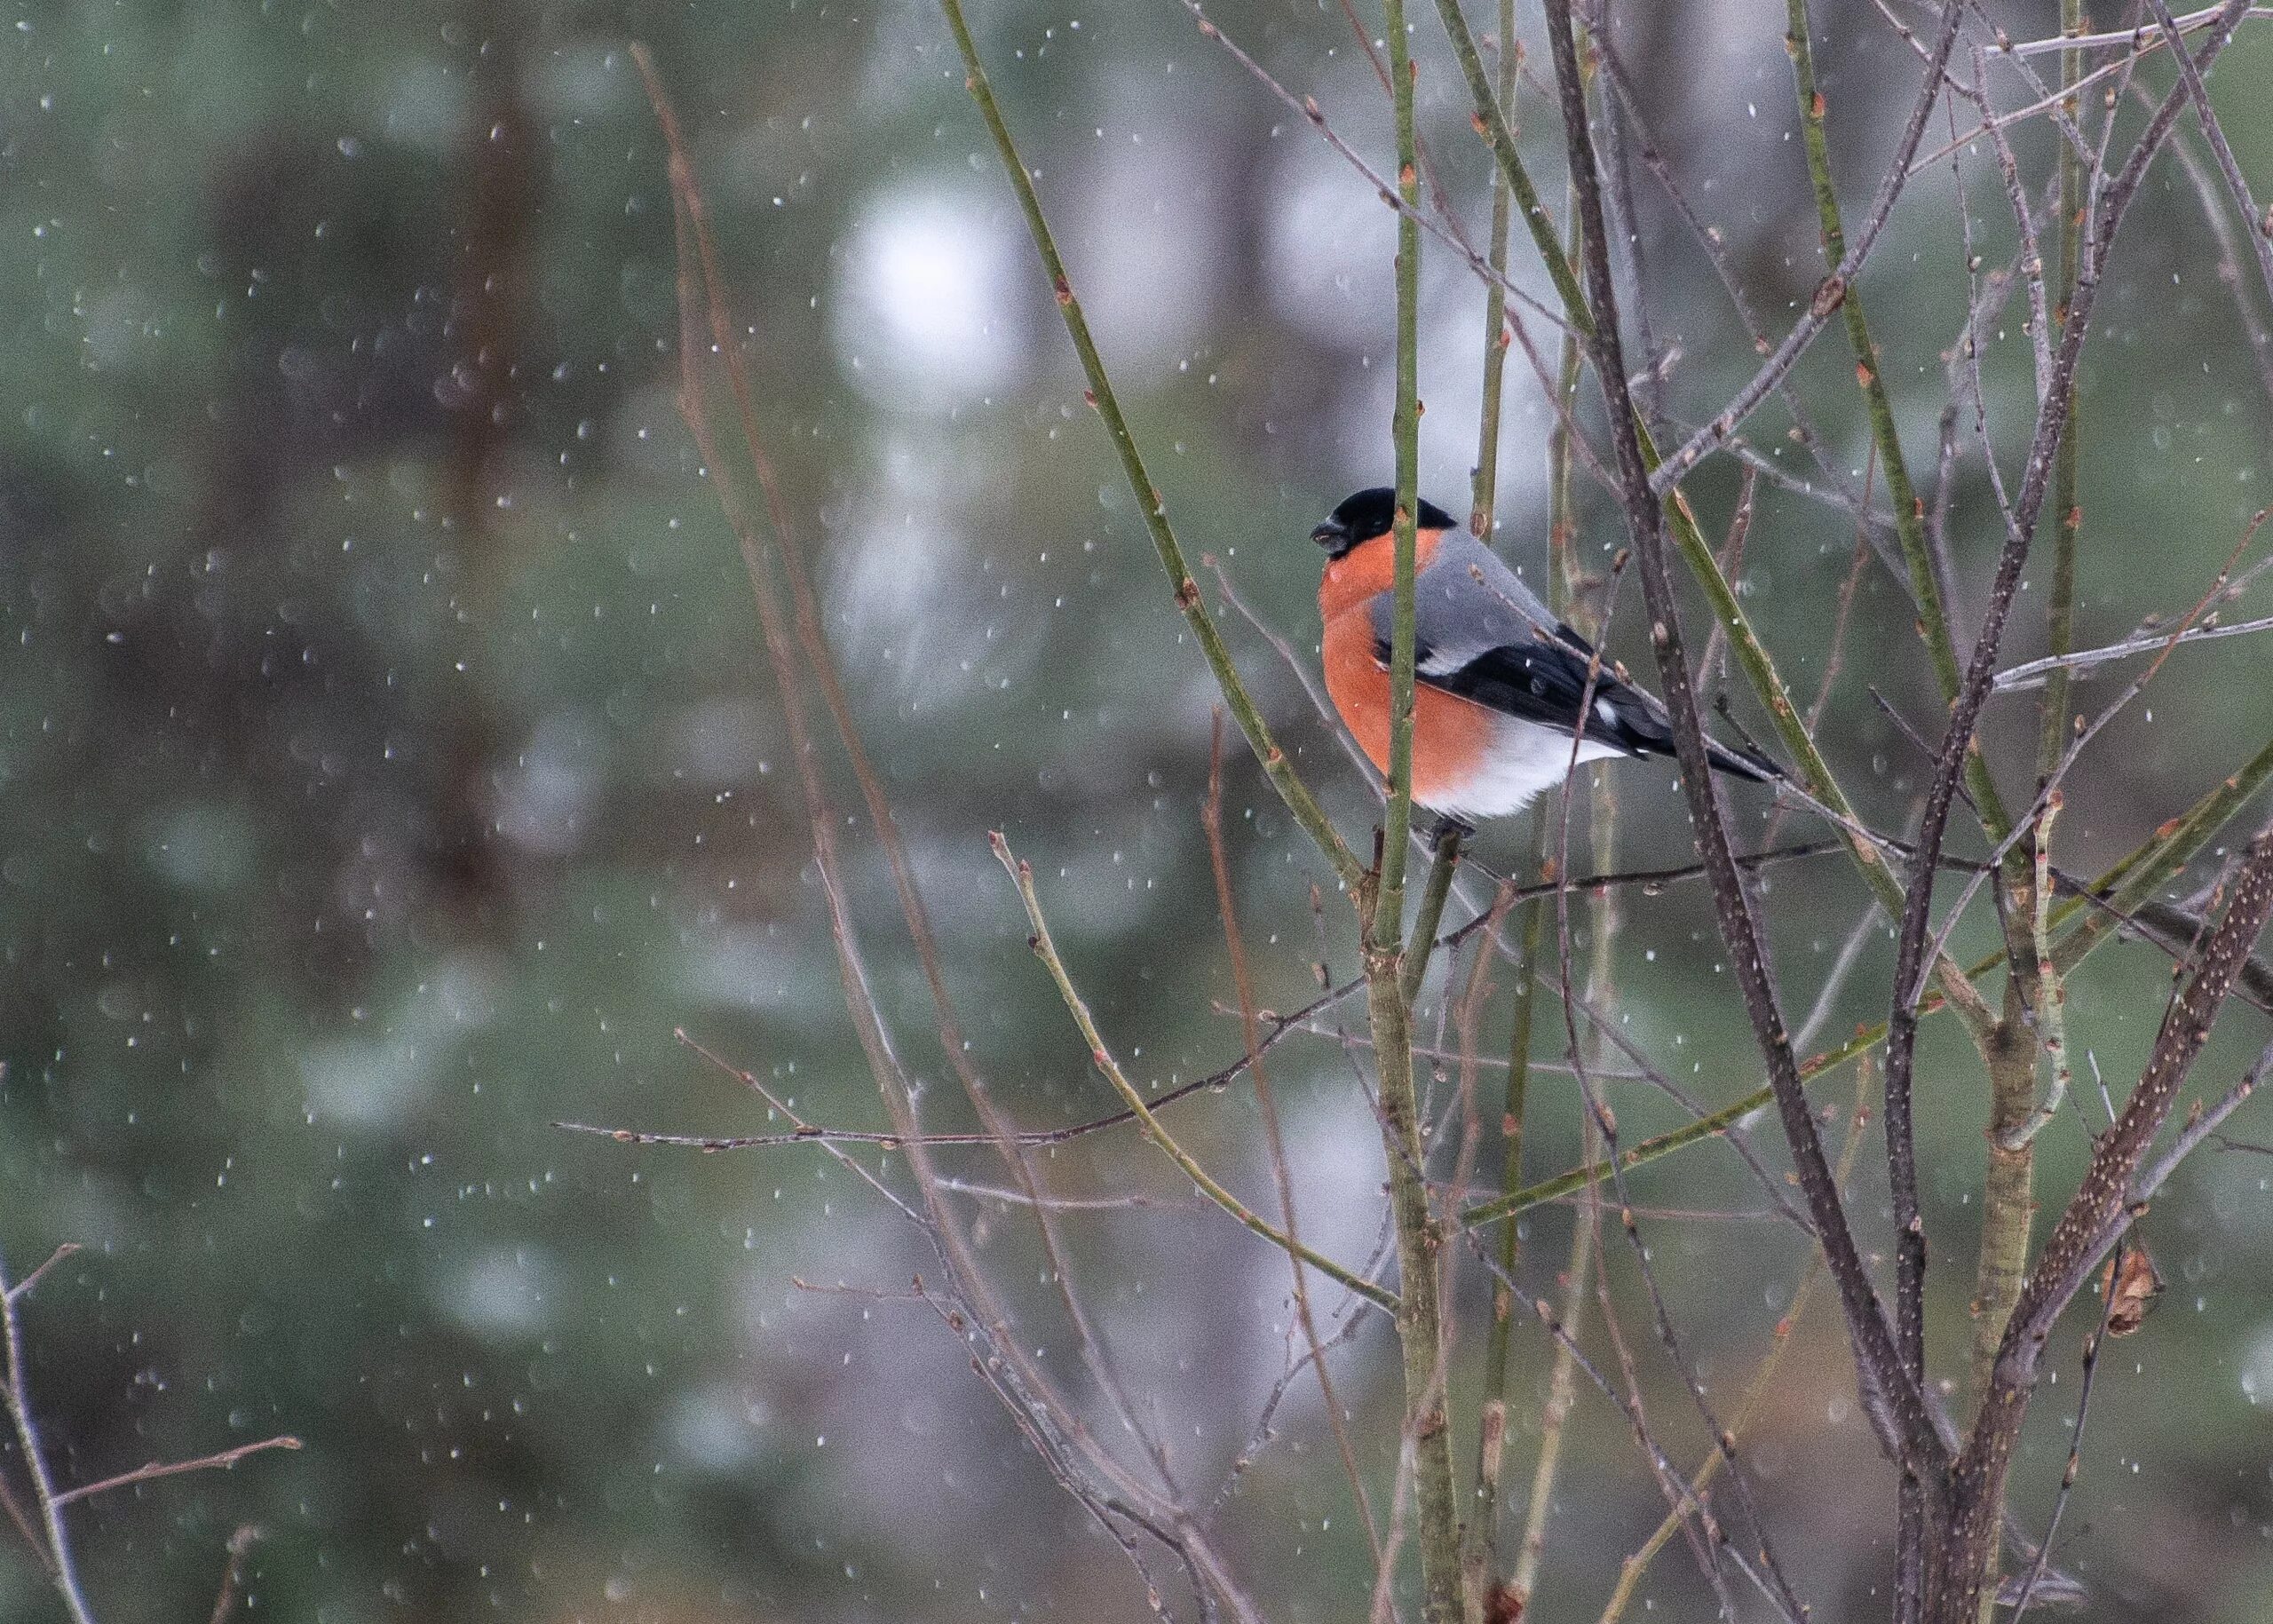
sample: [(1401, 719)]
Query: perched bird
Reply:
[(1499, 679)]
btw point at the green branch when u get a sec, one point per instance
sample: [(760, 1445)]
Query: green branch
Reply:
[(2133, 880), (1405, 430), (1814, 774), (2126, 886), (1490, 123), (1909, 513), (1430, 913), (1419, 1324), (2068, 516), (1484, 1535), (1480, 1550), (1149, 501), (1711, 1127), (1484, 491)]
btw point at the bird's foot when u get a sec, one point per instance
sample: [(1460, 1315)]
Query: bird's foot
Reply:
[(1449, 829)]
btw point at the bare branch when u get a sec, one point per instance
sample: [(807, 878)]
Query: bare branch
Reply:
[(1830, 294), (23, 1287), (2092, 1223), (1211, 818), (1046, 949), (15, 1394), (1900, 1413), (2031, 673), (220, 1462)]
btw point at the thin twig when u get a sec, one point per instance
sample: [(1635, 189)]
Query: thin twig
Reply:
[(1633, 1567), (2031, 674), (2254, 221), (2035, 1575), (2092, 1223), (219, 1462), (1585, 1233), (1974, 1521), (15, 1393), (1712, 667), (1710, 1537), (1046, 949), (1829, 295), (1907, 1429), (2230, 256), (2138, 39), (2141, 41), (1651, 1451), (1211, 819), (1262, 1431), (1562, 1383), (233, 1577), (1484, 485), (2200, 1128), (1276, 765), (1909, 513), (1481, 1551), (821, 661), (1426, 1426), (1116, 1500), (2052, 995), (1445, 229)]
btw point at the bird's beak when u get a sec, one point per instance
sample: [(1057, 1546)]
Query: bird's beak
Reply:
[(1333, 535)]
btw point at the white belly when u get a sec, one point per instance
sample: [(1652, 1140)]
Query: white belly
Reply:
[(1524, 758)]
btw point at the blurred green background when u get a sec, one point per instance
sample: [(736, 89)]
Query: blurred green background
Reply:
[(390, 768)]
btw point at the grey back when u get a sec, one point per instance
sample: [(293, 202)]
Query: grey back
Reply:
[(1466, 603)]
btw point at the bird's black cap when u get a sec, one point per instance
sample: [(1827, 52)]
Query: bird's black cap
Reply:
[(1371, 512)]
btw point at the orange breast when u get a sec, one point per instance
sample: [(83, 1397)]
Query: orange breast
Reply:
[(1368, 568), (1451, 735)]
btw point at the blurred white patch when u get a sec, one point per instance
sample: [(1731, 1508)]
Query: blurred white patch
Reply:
[(1333, 1158), (1214, 1326), (374, 1080), (501, 1292), (915, 607), (878, 1409), (715, 744), (581, 79), (717, 1427), (545, 802), (1095, 886), (752, 969), (886, 576), (1330, 253), (462, 991), (2257, 1366), (425, 105), (1151, 218), (119, 321), (204, 845), (922, 316), (902, 61), (364, 1084), (1452, 381)]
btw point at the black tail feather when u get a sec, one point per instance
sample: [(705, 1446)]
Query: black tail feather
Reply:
[(1635, 725), (1742, 761)]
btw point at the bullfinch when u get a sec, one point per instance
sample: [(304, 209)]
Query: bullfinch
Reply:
[(1498, 678)]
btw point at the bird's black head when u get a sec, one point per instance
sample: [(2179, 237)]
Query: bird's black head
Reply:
[(1370, 513)]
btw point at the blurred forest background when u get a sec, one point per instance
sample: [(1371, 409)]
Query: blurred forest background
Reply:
[(390, 768)]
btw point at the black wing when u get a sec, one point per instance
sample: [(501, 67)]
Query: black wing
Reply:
[(1544, 682)]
